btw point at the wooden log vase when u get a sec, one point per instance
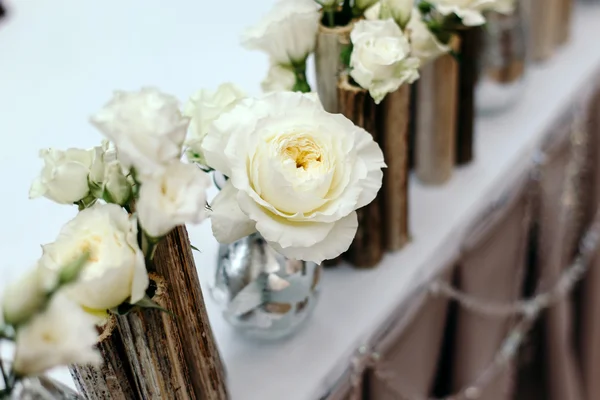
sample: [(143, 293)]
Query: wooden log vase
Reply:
[(436, 108), (546, 19), (383, 224), (156, 355), (470, 46), (328, 63)]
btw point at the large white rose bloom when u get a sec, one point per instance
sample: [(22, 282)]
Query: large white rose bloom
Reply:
[(288, 33), (146, 126), (116, 270), (471, 11), (62, 335), (381, 61), (424, 45), (297, 175)]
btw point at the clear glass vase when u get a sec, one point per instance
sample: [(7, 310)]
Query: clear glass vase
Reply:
[(41, 388), (264, 294), (503, 60)]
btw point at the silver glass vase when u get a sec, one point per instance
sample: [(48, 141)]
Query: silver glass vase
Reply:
[(264, 294), (503, 60), (41, 388)]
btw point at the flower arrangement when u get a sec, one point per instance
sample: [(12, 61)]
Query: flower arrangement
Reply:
[(130, 193)]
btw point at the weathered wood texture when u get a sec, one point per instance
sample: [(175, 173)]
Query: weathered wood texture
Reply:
[(436, 120), (470, 41), (175, 263), (162, 356), (154, 348), (383, 224), (392, 116), (368, 246), (113, 380), (545, 18), (328, 64)]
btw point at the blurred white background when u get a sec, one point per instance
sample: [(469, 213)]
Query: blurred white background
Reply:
[(59, 63)]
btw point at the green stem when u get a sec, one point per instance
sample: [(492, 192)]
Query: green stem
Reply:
[(149, 245), (330, 14)]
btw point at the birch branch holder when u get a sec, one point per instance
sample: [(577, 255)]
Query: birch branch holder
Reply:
[(175, 263), (113, 380), (437, 91), (155, 355), (328, 63), (368, 246), (151, 351)]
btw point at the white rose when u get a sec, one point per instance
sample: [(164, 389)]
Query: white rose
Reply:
[(64, 178), (399, 10), (115, 272), (381, 60), (146, 127), (203, 108), (471, 11), (103, 155), (288, 34), (424, 45), (62, 335), (23, 298), (176, 197), (297, 175), (279, 78)]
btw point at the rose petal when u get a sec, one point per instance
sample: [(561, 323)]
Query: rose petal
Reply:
[(229, 223)]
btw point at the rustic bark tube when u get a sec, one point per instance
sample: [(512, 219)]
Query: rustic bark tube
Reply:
[(113, 380), (436, 120), (175, 263), (545, 17), (392, 116), (368, 246), (328, 63), (470, 40), (156, 355)]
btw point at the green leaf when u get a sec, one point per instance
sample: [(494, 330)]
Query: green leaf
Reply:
[(195, 248), (346, 54), (147, 302)]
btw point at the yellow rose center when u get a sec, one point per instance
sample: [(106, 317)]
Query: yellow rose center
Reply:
[(302, 150)]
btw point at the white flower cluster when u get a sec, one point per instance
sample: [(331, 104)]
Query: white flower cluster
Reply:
[(131, 192), (471, 11)]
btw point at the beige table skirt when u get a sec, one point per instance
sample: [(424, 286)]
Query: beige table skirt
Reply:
[(442, 348)]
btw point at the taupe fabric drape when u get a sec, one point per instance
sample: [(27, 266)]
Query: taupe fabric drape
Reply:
[(562, 202), (590, 299), (554, 254), (491, 270), (409, 353)]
